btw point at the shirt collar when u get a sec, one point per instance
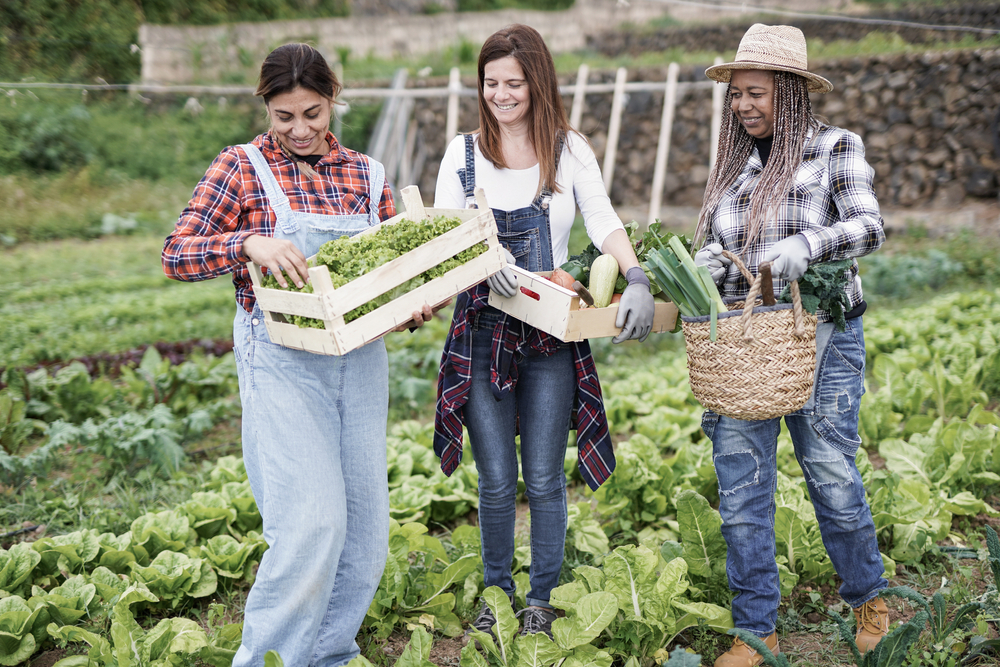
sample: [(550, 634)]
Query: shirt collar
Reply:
[(338, 154)]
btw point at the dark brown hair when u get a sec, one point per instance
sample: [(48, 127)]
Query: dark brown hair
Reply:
[(793, 119), (296, 65), (548, 117)]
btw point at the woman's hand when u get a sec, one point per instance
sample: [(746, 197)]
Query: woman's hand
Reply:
[(422, 316), (278, 254), (635, 312), (712, 257)]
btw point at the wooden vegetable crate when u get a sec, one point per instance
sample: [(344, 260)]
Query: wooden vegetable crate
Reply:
[(330, 305), (557, 311)]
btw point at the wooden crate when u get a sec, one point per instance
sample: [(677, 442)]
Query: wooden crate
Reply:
[(557, 310), (330, 305)]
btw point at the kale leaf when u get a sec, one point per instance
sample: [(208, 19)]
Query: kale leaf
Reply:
[(822, 287)]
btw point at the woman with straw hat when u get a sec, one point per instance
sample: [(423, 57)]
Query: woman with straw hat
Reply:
[(790, 190)]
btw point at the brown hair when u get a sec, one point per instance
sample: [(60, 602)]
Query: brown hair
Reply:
[(548, 117), (296, 65), (793, 119)]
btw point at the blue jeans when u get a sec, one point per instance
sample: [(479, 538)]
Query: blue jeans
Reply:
[(314, 450), (825, 435), (540, 405)]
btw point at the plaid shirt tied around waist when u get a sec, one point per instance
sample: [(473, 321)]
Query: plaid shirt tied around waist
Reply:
[(832, 206), (595, 454)]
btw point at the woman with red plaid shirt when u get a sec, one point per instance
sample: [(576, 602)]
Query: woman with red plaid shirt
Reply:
[(313, 426)]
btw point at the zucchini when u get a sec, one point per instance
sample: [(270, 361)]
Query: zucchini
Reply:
[(603, 276)]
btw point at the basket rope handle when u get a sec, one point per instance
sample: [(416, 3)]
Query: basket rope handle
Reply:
[(756, 284)]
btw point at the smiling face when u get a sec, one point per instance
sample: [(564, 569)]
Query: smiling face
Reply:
[(300, 120), (752, 91), (505, 90)]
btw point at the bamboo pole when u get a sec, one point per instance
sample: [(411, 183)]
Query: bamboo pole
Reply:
[(611, 150), (454, 86), (663, 144), (718, 100), (579, 96)]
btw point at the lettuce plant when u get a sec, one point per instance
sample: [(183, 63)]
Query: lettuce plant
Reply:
[(16, 566), (20, 631), (65, 604), (209, 513), (233, 559), (174, 577), (155, 532)]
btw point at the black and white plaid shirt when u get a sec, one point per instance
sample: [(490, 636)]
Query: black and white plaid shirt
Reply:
[(832, 206)]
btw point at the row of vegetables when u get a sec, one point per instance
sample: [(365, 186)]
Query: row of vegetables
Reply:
[(645, 554)]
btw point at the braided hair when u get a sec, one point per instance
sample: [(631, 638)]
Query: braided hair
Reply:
[(793, 119)]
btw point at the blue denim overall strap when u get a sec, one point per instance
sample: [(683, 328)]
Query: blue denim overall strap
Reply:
[(308, 231), (525, 232)]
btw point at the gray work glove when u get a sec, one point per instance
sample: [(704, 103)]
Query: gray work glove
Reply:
[(711, 256), (789, 258), (636, 308), (504, 283)]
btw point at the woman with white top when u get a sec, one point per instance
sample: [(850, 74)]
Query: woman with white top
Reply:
[(499, 376)]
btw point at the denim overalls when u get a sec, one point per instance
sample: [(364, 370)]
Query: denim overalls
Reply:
[(314, 450), (541, 405)]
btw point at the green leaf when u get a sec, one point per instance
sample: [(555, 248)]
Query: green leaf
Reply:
[(471, 657), (272, 659), (14, 651), (585, 621), (587, 655), (536, 650), (681, 658), (417, 651), (701, 533), (506, 625)]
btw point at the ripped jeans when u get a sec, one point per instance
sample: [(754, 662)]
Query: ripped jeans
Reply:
[(825, 435)]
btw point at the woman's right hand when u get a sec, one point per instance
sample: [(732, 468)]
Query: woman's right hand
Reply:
[(712, 257), (278, 255)]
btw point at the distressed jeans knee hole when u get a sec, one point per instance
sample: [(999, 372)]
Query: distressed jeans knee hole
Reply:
[(736, 470)]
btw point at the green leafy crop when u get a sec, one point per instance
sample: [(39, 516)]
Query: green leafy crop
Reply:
[(352, 257), (822, 287)]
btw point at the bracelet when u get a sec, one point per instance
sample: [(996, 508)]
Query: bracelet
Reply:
[(637, 275)]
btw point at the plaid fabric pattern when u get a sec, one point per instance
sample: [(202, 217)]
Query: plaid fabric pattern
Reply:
[(595, 454), (832, 206), (229, 204)]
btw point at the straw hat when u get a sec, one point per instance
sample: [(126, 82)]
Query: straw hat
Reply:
[(772, 47)]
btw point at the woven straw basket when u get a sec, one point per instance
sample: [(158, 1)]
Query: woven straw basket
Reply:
[(762, 362)]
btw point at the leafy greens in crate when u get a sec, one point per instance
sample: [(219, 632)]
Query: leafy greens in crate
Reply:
[(348, 258)]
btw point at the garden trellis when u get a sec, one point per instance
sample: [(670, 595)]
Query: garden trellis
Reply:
[(396, 140)]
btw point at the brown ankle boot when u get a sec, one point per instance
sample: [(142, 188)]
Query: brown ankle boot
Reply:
[(873, 624), (741, 655)]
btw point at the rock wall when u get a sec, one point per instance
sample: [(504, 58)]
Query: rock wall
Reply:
[(929, 123)]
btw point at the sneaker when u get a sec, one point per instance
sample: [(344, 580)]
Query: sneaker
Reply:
[(873, 624), (537, 619), (484, 622), (741, 655)]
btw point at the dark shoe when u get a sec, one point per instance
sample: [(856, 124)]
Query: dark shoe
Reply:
[(536, 619), (484, 622)]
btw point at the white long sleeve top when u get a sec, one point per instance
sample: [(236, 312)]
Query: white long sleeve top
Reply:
[(578, 176)]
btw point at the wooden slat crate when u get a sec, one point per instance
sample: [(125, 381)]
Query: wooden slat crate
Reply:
[(330, 305), (557, 310)]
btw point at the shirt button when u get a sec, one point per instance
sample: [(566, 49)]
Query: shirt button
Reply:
[(248, 339), (255, 321)]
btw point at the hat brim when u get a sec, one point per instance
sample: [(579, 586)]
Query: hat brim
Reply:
[(724, 73)]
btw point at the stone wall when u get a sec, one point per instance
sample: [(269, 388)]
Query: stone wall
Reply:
[(724, 36), (929, 123), (385, 28)]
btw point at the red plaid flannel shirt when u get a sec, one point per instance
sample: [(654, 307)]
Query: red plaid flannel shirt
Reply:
[(229, 204)]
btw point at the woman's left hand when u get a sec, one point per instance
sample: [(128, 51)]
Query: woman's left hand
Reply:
[(635, 313)]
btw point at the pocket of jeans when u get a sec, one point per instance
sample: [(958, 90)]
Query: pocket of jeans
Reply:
[(524, 249), (709, 420), (830, 434)]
